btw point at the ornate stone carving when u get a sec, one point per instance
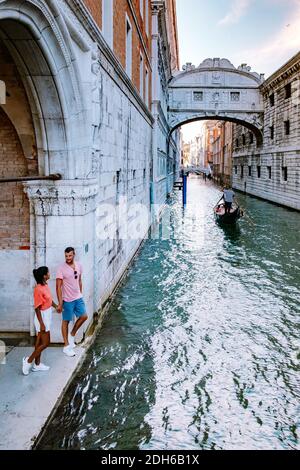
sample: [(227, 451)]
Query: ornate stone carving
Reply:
[(227, 93), (244, 68), (216, 78), (69, 15), (97, 108), (188, 67), (62, 198)]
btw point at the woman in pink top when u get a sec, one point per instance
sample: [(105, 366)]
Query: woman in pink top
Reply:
[(43, 304)]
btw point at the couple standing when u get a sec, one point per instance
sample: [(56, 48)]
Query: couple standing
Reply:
[(70, 303)]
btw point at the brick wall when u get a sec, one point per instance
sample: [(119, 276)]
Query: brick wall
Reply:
[(95, 8), (121, 8), (14, 205)]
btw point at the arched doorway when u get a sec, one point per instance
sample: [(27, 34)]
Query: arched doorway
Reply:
[(43, 111), (14, 231)]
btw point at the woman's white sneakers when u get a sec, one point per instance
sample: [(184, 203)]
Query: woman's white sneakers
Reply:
[(68, 351), (26, 366), (40, 367)]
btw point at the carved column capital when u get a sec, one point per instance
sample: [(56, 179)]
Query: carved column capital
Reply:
[(62, 198), (157, 6)]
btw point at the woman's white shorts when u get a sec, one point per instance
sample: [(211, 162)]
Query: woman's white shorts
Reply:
[(47, 319)]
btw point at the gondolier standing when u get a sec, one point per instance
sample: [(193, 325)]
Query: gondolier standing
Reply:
[(228, 198)]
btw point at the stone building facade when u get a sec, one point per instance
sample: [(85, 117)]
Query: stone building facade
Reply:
[(165, 61), (220, 136), (272, 170), (78, 77), (209, 138)]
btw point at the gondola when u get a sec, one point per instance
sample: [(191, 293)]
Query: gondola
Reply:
[(227, 219)]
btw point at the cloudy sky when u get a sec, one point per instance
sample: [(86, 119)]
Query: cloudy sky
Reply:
[(262, 33)]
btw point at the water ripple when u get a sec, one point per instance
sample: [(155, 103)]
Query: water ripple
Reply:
[(201, 349)]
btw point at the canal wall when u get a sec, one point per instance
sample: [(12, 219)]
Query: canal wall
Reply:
[(274, 188)]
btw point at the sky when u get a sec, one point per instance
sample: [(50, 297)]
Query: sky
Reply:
[(265, 34)]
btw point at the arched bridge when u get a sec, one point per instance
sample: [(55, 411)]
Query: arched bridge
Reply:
[(217, 90)]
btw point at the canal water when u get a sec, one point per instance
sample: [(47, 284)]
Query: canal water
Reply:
[(201, 347)]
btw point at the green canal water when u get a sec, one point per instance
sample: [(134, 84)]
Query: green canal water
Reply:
[(201, 347)]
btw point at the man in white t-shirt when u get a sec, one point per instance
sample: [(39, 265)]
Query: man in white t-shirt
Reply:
[(228, 198)]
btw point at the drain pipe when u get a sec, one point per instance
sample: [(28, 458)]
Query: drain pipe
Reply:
[(22, 179)]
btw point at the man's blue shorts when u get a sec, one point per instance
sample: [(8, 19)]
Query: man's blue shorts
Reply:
[(77, 308)]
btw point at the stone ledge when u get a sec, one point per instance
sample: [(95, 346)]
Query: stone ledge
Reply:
[(26, 402)]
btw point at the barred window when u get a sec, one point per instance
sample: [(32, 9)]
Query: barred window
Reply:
[(284, 173), (235, 96), (287, 127), (269, 169), (258, 171), (288, 91), (198, 95)]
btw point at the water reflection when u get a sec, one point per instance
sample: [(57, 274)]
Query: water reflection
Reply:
[(201, 346)]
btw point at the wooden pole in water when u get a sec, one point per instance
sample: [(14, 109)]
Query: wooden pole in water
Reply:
[(184, 188)]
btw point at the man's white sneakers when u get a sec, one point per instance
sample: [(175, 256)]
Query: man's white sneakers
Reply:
[(26, 366), (41, 367), (68, 351), (71, 341)]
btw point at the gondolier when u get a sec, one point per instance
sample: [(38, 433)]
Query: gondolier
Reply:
[(227, 211), (228, 198)]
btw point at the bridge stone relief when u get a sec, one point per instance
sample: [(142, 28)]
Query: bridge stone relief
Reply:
[(2, 92), (217, 90)]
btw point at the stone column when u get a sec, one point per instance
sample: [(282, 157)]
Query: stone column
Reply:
[(62, 214)]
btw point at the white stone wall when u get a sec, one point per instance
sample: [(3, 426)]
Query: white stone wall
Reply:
[(277, 190), (278, 152), (124, 182), (15, 290)]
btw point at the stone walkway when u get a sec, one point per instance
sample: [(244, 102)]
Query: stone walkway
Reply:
[(27, 401)]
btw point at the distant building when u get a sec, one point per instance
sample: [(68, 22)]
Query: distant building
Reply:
[(209, 136), (186, 154), (218, 150)]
